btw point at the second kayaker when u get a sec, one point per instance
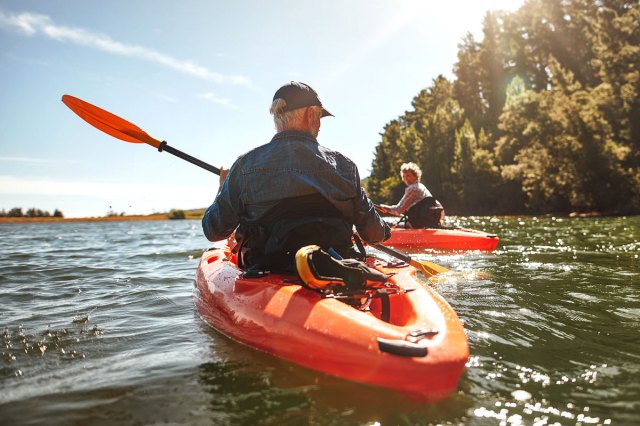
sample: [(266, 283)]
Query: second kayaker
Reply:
[(292, 191), (422, 210)]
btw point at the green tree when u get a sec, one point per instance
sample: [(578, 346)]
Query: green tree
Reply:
[(176, 214), (494, 74), (15, 212), (436, 117), (380, 185), (467, 88), (562, 150), (475, 174)]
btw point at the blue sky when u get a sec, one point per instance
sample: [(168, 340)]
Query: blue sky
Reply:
[(200, 75)]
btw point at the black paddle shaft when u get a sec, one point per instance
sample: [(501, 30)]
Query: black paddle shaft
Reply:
[(393, 252), (164, 146)]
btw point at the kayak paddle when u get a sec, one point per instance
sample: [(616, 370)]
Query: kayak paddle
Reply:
[(121, 129)]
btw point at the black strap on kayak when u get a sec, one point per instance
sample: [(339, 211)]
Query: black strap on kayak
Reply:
[(255, 272), (360, 245), (355, 299), (385, 305)]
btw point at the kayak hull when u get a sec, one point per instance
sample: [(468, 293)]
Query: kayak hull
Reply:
[(443, 239), (278, 316)]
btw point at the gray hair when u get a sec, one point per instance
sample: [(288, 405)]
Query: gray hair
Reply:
[(282, 118), (411, 167)]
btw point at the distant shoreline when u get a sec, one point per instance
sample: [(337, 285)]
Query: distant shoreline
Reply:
[(83, 219), (174, 214)]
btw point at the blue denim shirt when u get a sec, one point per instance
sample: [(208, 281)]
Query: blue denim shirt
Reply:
[(293, 164)]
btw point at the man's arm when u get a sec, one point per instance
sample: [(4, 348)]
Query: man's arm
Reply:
[(412, 195), (222, 217), (368, 222)]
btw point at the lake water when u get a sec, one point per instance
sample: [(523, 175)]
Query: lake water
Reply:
[(99, 327)]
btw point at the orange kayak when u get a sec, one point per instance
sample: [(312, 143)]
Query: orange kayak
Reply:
[(410, 340), (443, 239)]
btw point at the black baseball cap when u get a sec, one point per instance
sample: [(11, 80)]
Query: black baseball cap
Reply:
[(299, 95)]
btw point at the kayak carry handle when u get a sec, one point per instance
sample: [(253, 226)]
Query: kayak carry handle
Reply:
[(402, 348)]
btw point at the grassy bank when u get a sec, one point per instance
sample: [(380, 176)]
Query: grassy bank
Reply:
[(174, 214)]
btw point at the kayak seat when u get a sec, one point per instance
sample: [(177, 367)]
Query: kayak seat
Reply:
[(349, 280), (426, 213), (318, 270)]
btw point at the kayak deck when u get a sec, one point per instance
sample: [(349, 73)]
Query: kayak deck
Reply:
[(443, 239), (421, 349)]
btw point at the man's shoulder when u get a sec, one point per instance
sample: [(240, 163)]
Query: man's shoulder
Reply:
[(256, 151), (296, 147), (335, 154)]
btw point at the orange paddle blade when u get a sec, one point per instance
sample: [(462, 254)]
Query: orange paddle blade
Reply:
[(108, 122)]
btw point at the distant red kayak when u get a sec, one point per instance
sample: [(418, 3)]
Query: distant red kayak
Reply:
[(407, 338), (443, 239)]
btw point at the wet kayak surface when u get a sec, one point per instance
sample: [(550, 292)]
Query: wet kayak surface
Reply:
[(99, 327)]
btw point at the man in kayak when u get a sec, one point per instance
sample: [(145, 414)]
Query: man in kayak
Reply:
[(292, 192), (422, 209)]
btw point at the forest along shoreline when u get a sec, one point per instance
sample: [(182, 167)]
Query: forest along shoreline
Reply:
[(539, 116)]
